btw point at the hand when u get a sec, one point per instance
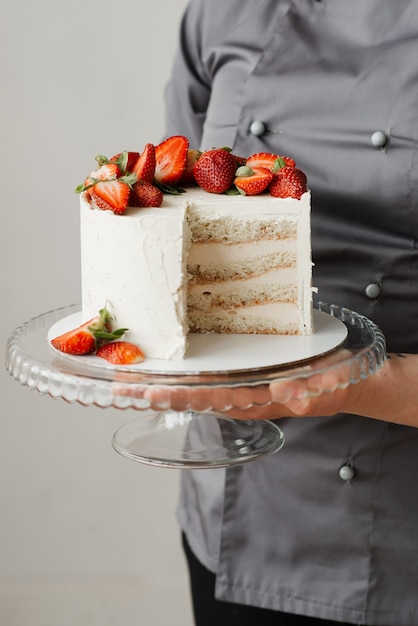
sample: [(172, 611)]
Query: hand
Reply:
[(390, 394), (282, 398)]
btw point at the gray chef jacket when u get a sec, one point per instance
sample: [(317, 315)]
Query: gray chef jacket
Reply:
[(320, 78)]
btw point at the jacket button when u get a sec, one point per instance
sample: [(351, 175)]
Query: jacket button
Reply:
[(346, 472), (372, 291), (379, 139), (257, 128)]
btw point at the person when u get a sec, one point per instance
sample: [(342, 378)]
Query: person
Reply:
[(326, 530)]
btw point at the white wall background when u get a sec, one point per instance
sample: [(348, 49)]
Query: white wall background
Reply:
[(87, 538)]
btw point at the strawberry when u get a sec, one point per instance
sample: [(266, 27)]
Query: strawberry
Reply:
[(288, 182), (107, 171), (111, 195), (215, 170), (288, 161), (121, 353), (271, 161), (239, 160), (86, 338), (144, 166), (262, 159), (187, 178), (252, 181), (170, 157), (145, 194), (126, 160)]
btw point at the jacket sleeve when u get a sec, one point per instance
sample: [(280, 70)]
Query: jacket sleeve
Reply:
[(188, 91)]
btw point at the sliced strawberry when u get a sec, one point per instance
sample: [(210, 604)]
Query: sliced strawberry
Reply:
[(262, 159), (289, 182), (187, 178), (111, 195), (86, 338), (121, 353), (288, 161), (215, 170), (144, 166), (170, 156), (107, 171), (145, 194), (126, 160), (252, 181), (269, 160)]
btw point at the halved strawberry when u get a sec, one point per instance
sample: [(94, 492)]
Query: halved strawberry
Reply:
[(187, 178), (286, 161), (145, 194), (87, 337), (269, 160), (126, 160), (262, 159), (288, 182), (144, 166), (215, 170), (170, 156), (121, 353), (252, 181), (111, 195), (107, 171)]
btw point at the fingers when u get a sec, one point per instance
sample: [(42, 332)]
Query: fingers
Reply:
[(220, 399), (325, 391)]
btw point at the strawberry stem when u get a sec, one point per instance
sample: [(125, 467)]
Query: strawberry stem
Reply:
[(278, 164)]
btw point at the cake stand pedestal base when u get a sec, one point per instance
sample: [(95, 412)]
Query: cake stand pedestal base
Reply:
[(187, 439)]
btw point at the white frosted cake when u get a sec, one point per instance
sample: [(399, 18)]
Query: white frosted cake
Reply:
[(201, 262)]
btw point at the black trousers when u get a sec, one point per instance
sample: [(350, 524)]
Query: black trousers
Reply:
[(210, 612)]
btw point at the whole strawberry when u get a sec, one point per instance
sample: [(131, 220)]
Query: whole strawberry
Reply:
[(145, 194), (215, 170), (288, 182)]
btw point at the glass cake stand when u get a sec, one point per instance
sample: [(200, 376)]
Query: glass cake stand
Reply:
[(171, 431)]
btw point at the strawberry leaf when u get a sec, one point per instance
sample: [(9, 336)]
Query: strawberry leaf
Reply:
[(170, 189), (278, 164), (101, 160)]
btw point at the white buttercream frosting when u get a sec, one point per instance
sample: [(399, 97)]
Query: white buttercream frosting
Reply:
[(136, 263)]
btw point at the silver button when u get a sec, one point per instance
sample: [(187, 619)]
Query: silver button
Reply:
[(372, 290), (257, 128), (346, 472), (379, 139)]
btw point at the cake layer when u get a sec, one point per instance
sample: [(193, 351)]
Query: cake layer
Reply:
[(231, 295), (276, 318), (250, 227)]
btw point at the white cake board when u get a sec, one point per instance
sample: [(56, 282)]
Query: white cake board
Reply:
[(216, 353)]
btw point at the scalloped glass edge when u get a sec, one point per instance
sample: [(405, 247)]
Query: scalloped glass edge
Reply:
[(360, 356)]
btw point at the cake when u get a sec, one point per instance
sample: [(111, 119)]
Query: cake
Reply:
[(200, 262)]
